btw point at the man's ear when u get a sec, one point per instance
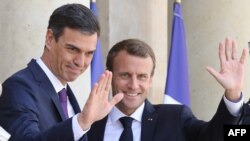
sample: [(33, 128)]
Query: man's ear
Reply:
[(49, 38), (150, 81)]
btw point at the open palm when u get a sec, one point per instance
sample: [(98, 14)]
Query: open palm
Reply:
[(232, 69)]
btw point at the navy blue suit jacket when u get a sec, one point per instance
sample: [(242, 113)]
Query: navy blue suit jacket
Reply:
[(30, 109), (173, 123)]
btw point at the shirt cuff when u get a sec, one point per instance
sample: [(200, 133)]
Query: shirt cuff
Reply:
[(234, 107), (77, 130)]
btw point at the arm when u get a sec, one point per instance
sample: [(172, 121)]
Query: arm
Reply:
[(213, 130), (25, 116), (24, 120)]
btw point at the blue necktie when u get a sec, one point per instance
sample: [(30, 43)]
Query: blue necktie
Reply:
[(127, 134), (63, 101)]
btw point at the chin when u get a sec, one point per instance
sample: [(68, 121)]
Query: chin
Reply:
[(71, 78)]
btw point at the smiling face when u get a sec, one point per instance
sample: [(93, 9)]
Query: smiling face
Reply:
[(131, 76), (70, 55)]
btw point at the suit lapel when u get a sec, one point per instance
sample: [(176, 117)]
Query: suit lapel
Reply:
[(149, 120), (73, 100), (97, 130), (45, 85)]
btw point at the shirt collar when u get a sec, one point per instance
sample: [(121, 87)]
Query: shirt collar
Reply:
[(116, 114), (58, 86)]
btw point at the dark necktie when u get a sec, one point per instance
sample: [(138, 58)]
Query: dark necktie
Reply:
[(63, 101), (127, 134)]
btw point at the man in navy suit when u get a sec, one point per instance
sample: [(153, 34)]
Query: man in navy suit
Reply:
[(30, 106), (132, 63)]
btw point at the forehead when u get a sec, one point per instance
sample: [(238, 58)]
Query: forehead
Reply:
[(130, 63)]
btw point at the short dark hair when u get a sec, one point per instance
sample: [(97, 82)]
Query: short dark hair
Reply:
[(134, 47), (75, 16)]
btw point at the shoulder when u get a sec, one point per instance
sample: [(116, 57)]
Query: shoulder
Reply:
[(22, 73), (168, 107), (20, 77), (173, 109), (26, 75), (19, 86)]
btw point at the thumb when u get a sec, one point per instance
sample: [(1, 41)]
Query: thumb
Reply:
[(117, 98), (213, 72)]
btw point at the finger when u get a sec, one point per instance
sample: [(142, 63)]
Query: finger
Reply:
[(214, 73), (105, 81), (93, 91), (222, 54), (228, 49), (109, 80), (106, 85), (100, 83), (117, 98), (243, 56), (234, 50)]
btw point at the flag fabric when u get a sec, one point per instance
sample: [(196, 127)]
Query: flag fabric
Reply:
[(177, 84), (97, 67)]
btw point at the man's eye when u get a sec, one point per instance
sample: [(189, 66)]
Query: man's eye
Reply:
[(124, 75), (71, 49), (90, 53), (143, 77)]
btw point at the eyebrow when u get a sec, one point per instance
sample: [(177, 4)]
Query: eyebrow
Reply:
[(78, 48), (73, 46)]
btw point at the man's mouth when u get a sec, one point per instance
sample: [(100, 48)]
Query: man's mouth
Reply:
[(132, 94)]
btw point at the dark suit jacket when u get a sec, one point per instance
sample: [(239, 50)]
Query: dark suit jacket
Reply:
[(174, 123), (30, 109)]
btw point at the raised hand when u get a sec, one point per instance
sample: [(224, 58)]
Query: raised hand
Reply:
[(232, 69), (98, 104)]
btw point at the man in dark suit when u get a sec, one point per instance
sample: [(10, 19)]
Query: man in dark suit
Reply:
[(133, 62), (32, 105)]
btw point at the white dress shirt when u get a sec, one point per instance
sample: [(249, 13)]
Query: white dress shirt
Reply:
[(114, 128), (77, 130), (234, 107)]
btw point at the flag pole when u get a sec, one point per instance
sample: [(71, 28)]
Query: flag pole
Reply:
[(178, 1)]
